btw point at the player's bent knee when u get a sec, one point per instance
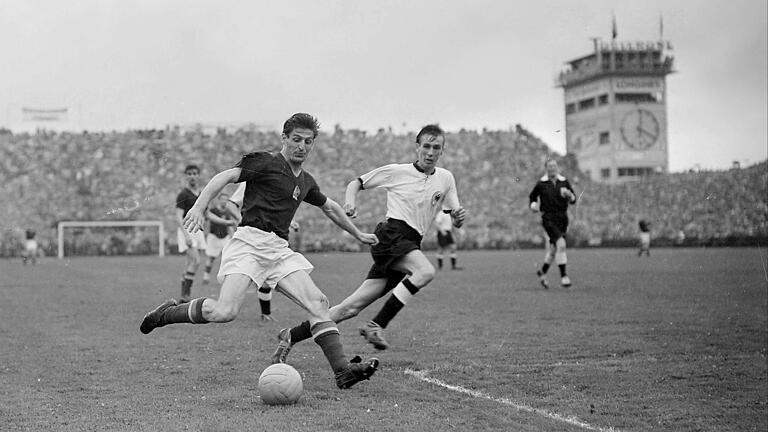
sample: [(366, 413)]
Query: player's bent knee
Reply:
[(318, 306), (423, 276), (222, 313)]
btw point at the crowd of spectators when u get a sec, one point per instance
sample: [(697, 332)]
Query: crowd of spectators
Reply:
[(135, 175)]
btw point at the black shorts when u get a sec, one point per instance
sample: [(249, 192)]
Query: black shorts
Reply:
[(555, 224), (396, 239), (444, 240)]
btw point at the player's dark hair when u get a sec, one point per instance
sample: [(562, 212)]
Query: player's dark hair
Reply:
[(431, 129), (301, 121), (548, 160), (191, 167)]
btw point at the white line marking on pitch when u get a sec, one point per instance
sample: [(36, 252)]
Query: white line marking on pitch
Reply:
[(571, 420)]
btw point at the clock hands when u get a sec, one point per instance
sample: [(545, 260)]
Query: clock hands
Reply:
[(645, 132)]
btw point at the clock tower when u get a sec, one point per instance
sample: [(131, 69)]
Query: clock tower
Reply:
[(615, 109)]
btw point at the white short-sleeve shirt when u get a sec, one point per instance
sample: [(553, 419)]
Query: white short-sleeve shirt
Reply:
[(412, 195)]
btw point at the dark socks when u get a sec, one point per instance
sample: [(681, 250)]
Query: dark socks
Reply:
[(393, 306), (265, 303), (453, 262), (544, 268), (186, 285), (300, 333), (330, 342), (562, 269), (191, 312)]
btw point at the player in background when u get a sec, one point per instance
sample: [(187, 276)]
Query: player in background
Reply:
[(258, 253), (416, 192), (645, 238), (551, 195), (220, 226), (445, 242), (191, 244), (30, 251)]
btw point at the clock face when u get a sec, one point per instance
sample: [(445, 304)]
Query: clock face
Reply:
[(640, 129)]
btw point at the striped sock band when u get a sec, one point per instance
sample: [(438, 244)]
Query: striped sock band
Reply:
[(195, 311), (264, 293), (404, 291), (322, 328)]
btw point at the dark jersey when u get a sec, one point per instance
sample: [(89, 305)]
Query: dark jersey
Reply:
[(549, 194), (217, 229), (185, 200), (273, 193), (30, 235)]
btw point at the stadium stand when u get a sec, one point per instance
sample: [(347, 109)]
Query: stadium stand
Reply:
[(134, 175)]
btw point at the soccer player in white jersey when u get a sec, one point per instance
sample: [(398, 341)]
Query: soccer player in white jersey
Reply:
[(416, 192), (445, 243)]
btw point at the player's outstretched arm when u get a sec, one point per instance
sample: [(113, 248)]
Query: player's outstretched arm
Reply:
[(234, 211), (333, 210), (350, 198), (211, 216), (195, 218)]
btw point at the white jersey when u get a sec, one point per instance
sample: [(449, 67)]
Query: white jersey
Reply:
[(413, 196), (443, 222)]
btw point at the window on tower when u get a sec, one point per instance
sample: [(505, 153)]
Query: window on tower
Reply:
[(635, 171), (570, 108), (636, 97), (586, 104), (602, 99), (605, 138)]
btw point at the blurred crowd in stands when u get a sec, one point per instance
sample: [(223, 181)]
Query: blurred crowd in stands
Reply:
[(135, 175)]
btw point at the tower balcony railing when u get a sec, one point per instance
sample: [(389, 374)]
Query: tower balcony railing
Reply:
[(587, 71)]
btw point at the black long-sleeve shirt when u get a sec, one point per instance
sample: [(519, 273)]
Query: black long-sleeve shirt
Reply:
[(549, 193)]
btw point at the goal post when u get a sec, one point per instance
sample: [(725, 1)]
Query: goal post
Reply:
[(110, 224)]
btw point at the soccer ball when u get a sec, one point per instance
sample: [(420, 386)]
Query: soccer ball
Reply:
[(280, 384)]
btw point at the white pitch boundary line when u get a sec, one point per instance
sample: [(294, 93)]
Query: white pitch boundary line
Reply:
[(571, 420)]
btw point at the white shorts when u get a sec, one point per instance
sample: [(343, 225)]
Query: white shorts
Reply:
[(214, 245), (645, 239), (30, 247), (262, 256), (198, 240)]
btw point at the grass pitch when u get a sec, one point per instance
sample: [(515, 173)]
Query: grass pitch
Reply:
[(674, 342)]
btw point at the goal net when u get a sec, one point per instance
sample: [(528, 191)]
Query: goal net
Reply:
[(81, 238)]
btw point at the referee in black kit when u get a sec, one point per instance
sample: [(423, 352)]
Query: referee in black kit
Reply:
[(552, 195)]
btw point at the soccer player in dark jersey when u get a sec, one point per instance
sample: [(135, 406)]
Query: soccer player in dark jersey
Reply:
[(416, 192), (552, 195), (258, 253), (192, 245), (645, 238), (220, 223)]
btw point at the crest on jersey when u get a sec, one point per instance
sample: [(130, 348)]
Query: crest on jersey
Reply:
[(436, 198), (296, 192)]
